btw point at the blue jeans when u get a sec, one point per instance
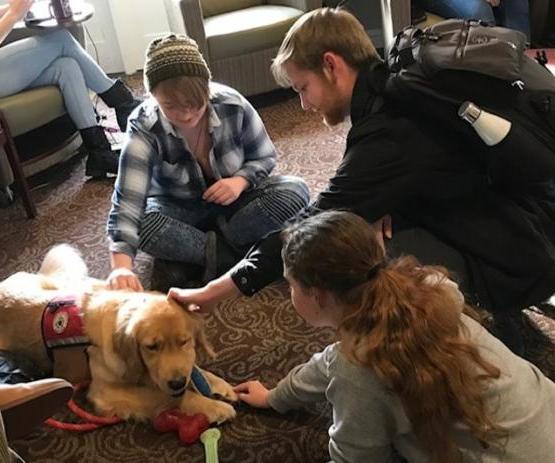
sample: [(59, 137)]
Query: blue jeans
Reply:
[(177, 231), (513, 14), (54, 59)]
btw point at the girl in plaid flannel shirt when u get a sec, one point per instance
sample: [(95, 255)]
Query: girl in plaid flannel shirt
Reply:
[(193, 188)]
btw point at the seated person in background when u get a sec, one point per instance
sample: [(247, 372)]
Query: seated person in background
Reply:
[(56, 58), (513, 14), (418, 185), (413, 377), (195, 160)]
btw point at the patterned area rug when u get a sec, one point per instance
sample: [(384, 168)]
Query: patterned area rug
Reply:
[(259, 337)]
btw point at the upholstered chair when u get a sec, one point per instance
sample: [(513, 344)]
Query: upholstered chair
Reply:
[(238, 38)]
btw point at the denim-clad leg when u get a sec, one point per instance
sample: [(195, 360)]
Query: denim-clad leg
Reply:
[(466, 9), (66, 74), (54, 59), (24, 60), (514, 14), (177, 230), (264, 209), (429, 250)]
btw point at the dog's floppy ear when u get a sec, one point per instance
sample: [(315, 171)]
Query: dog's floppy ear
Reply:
[(126, 347), (200, 336)]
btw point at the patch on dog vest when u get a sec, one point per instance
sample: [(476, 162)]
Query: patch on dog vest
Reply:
[(62, 324)]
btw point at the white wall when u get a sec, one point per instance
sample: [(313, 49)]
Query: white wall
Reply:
[(103, 34), (137, 22)]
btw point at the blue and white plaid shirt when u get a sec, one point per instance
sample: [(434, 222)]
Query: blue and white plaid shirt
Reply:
[(156, 160)]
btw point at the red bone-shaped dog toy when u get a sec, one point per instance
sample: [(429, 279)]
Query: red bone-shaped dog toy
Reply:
[(189, 427)]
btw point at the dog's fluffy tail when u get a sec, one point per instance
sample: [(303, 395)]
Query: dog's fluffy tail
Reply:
[(64, 265)]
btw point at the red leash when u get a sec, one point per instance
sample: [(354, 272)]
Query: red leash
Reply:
[(91, 422)]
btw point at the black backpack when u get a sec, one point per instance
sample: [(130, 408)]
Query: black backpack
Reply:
[(435, 70)]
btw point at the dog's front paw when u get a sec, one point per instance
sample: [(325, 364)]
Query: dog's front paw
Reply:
[(218, 412), (223, 390)]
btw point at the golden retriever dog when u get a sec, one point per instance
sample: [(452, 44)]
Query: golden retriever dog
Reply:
[(142, 345)]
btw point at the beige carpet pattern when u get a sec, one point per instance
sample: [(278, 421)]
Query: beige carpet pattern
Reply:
[(260, 337)]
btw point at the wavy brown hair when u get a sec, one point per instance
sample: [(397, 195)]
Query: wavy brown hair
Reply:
[(402, 320)]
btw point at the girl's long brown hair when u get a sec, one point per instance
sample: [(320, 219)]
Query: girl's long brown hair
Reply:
[(403, 322)]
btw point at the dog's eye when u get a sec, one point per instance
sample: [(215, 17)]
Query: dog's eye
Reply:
[(184, 342), (153, 347)]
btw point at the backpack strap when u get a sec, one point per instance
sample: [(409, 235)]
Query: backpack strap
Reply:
[(401, 54)]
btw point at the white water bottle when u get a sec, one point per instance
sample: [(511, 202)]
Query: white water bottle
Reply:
[(491, 128)]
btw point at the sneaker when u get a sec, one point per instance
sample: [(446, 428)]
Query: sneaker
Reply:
[(25, 406)]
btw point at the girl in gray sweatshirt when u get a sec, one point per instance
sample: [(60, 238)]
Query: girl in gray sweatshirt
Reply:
[(414, 377)]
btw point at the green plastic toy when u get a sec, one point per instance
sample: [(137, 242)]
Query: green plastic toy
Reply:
[(210, 439)]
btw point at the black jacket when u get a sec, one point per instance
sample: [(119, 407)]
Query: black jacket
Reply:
[(408, 168)]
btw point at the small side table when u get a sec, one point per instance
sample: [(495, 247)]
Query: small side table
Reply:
[(39, 16), (6, 142)]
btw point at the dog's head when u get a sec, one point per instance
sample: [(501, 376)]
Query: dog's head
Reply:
[(157, 337)]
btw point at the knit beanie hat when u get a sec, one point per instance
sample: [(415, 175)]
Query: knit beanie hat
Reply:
[(173, 56)]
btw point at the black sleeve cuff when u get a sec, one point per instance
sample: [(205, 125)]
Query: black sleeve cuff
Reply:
[(261, 266)]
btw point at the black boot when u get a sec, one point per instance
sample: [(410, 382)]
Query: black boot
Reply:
[(101, 160), (119, 97)]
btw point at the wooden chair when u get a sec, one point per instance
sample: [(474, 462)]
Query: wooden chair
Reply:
[(6, 142)]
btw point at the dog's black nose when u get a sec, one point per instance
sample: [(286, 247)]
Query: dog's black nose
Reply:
[(177, 384)]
